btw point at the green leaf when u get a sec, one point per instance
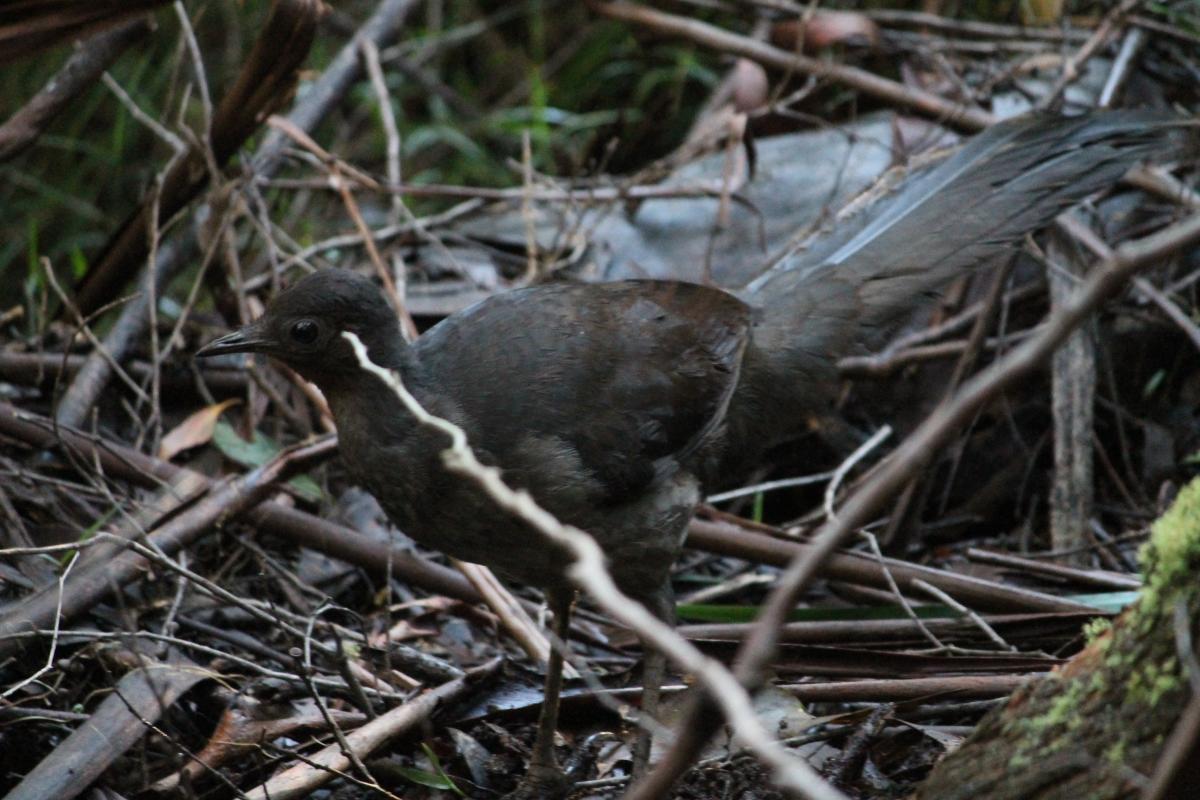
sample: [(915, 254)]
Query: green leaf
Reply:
[(79, 263), (31, 250), (307, 488), (437, 765), (430, 779), (438, 779), (87, 535), (256, 452), (1155, 381)]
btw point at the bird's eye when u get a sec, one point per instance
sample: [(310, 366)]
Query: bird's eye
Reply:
[(305, 331)]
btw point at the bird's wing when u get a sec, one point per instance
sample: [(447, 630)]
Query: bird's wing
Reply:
[(617, 380)]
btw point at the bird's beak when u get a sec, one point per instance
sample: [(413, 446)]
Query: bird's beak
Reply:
[(246, 340)]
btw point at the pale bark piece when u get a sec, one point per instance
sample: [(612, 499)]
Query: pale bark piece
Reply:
[(320, 768), (138, 700)]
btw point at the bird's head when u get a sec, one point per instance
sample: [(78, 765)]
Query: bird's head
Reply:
[(303, 327)]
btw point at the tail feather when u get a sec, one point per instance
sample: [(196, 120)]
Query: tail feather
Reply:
[(1006, 182), (846, 287)]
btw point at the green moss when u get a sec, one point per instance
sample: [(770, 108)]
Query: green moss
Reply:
[(1049, 731), (1131, 652), (1096, 628), (1169, 679), (1064, 707), (1123, 695), (1169, 561), (1020, 762), (1172, 553)]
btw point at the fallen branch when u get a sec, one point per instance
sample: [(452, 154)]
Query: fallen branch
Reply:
[(319, 769), (296, 526), (76, 76), (965, 117), (122, 719), (85, 587)]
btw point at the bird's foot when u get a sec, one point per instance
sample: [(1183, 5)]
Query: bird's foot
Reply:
[(541, 782)]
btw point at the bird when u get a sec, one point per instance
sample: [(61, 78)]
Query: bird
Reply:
[(616, 404)]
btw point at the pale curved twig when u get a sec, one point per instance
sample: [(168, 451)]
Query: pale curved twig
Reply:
[(589, 572)]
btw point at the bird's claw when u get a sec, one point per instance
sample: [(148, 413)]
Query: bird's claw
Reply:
[(541, 782)]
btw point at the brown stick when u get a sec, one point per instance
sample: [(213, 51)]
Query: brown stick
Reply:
[(966, 117), (42, 369), (1178, 770), (303, 529), (79, 73), (317, 770), (1071, 67), (1101, 580), (1073, 403), (29, 27), (136, 703), (263, 83), (966, 687), (85, 587), (1061, 625), (730, 540)]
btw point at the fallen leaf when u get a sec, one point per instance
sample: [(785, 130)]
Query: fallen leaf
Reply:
[(826, 28), (196, 430), (256, 452)]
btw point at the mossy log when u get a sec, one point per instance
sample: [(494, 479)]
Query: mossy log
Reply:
[(1095, 728)]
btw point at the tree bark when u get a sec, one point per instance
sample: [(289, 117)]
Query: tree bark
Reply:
[(1096, 727)]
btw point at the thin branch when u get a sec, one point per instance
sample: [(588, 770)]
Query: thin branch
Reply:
[(844, 468), (962, 116)]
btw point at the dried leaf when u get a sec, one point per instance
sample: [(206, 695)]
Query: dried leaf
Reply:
[(826, 28), (196, 430), (1041, 12)]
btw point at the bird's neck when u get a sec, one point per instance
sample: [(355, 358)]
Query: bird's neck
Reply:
[(385, 448), (365, 395), (389, 350), (369, 415)]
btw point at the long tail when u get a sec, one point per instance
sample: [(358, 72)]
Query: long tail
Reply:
[(838, 294)]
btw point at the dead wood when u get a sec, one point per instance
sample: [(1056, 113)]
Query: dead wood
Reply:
[(82, 70), (30, 26), (1096, 727), (264, 85)]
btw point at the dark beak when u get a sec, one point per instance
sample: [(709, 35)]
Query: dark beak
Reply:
[(246, 340)]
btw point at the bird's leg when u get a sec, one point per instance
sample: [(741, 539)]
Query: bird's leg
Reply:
[(662, 605), (545, 778), (652, 678)]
